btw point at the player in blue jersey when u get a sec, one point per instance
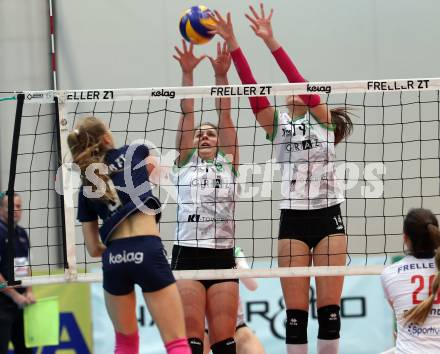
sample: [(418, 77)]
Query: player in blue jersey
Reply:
[(116, 189)]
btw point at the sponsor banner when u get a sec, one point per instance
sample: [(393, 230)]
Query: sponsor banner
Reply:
[(365, 315), (282, 89), (75, 318), (38, 96)]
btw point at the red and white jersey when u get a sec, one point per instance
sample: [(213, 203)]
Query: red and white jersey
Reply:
[(406, 284)]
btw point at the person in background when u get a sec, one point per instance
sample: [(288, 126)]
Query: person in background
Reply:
[(13, 300)]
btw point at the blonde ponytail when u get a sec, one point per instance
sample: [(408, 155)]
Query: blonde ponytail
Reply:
[(86, 143)]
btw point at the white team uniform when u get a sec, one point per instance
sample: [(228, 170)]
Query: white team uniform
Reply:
[(406, 283), (306, 152), (205, 202)]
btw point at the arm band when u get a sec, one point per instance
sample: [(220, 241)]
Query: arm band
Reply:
[(293, 75), (244, 72)]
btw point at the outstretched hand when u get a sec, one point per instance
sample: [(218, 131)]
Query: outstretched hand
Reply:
[(223, 27), (222, 62), (186, 58), (260, 24)]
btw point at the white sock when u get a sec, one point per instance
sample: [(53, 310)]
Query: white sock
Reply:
[(328, 346), (296, 348)]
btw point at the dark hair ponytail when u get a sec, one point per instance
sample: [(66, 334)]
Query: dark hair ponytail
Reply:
[(418, 227), (342, 122)]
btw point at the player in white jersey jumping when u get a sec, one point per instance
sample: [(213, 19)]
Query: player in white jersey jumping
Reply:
[(311, 226), (412, 286), (205, 180)]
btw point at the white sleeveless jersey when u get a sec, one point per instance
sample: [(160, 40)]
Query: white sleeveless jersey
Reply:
[(406, 283), (305, 150), (205, 202)]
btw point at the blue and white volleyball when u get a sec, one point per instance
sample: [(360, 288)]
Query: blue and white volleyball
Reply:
[(195, 24)]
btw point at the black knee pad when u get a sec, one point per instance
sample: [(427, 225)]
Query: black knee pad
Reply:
[(196, 345), (296, 326), (226, 346), (329, 321)]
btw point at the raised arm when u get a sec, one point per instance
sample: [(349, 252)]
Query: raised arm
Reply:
[(184, 137), (262, 26), (227, 133), (261, 107)]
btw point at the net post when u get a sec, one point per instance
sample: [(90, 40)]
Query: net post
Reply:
[(10, 276), (66, 197)]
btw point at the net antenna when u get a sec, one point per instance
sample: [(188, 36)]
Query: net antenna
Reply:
[(388, 165), (10, 276)]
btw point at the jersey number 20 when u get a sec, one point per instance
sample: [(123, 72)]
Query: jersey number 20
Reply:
[(421, 285)]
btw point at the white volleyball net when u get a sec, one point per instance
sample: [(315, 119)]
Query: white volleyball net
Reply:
[(388, 165)]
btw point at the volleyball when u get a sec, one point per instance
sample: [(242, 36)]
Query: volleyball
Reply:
[(195, 24)]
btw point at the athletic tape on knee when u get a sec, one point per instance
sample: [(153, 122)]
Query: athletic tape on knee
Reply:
[(296, 326), (226, 346), (329, 321), (196, 345)]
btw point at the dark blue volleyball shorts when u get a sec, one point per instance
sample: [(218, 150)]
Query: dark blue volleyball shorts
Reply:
[(135, 260)]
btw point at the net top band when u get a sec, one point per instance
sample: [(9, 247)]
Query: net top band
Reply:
[(283, 89)]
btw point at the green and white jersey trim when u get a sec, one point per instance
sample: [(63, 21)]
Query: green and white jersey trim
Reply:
[(206, 192), (305, 150)]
